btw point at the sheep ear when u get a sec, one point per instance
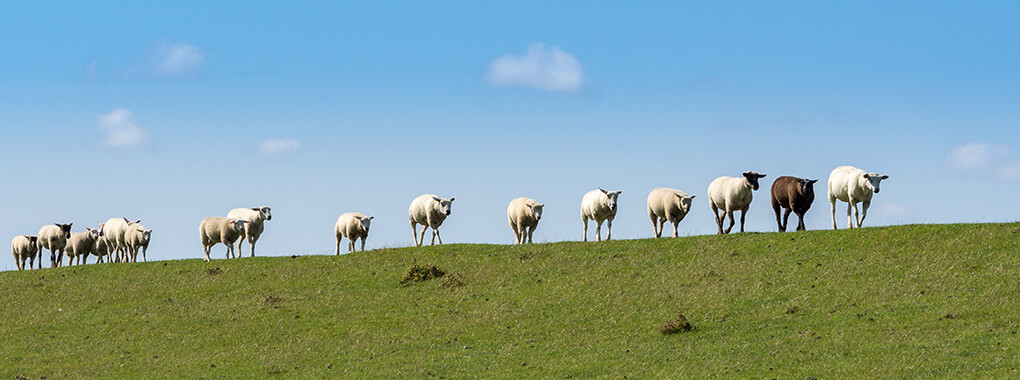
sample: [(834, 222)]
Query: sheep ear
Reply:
[(761, 175), (138, 221), (603, 191), (678, 195), (371, 217), (437, 199), (867, 176), (693, 195), (812, 181), (452, 198), (885, 177), (256, 209), (540, 205)]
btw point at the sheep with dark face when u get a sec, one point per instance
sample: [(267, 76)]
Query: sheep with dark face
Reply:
[(430, 211), (54, 238), (795, 195), (729, 194)]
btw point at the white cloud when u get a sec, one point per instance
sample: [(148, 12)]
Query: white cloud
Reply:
[(549, 69), (976, 156), (177, 59), (120, 129), (277, 147)]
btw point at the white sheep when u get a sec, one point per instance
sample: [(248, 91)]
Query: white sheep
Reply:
[(600, 206), (79, 246), (730, 194), (430, 211), (25, 248), (217, 229), (137, 237), (100, 248), (54, 238), (853, 185), (523, 215), (670, 205), (256, 218), (113, 232), (353, 225)]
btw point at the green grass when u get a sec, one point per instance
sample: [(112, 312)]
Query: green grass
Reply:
[(862, 303)]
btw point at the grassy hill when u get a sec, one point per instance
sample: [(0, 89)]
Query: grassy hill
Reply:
[(916, 300)]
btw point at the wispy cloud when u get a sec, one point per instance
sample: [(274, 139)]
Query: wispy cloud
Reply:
[(278, 147), (177, 59), (984, 159), (549, 69), (120, 129)]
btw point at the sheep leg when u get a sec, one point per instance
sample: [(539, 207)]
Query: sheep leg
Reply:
[(205, 249), (523, 233), (531, 231), (585, 220), (609, 230), (732, 221), (857, 215), (517, 233), (363, 238), (864, 214), (598, 230), (143, 254), (832, 207), (743, 214), (251, 242), (676, 226), (849, 216), (718, 218), (350, 245), (786, 219), (776, 207), (422, 239), (414, 235), (800, 223), (340, 237), (435, 230), (655, 223)]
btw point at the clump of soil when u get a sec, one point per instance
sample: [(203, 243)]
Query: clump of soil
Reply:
[(792, 309), (419, 273), (213, 271), (452, 281), (676, 326)]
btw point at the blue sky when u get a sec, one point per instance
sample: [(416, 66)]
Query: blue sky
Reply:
[(171, 112)]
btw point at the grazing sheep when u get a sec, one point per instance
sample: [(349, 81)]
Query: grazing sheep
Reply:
[(353, 225), (54, 238), (113, 232), (666, 204), (524, 214), (731, 194), (430, 211), (795, 195), (853, 185), (217, 229), (255, 217), (79, 246), (600, 206), (25, 248), (100, 248), (137, 237)]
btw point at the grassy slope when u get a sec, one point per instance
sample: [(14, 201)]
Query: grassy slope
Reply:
[(871, 303)]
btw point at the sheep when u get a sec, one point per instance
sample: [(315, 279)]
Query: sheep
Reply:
[(79, 246), (523, 215), (54, 238), (217, 229), (666, 204), (600, 206), (25, 248), (137, 237), (353, 225), (853, 185), (256, 217), (730, 194), (113, 232), (430, 211), (100, 248), (795, 195)]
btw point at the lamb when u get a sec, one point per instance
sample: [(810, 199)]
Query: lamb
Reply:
[(353, 225), (731, 194), (54, 238), (137, 237), (666, 204), (428, 210), (25, 248), (256, 217), (853, 185), (795, 195), (599, 205), (217, 229), (113, 232), (79, 246), (523, 215), (100, 248)]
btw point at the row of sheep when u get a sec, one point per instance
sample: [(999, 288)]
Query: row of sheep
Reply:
[(727, 195)]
